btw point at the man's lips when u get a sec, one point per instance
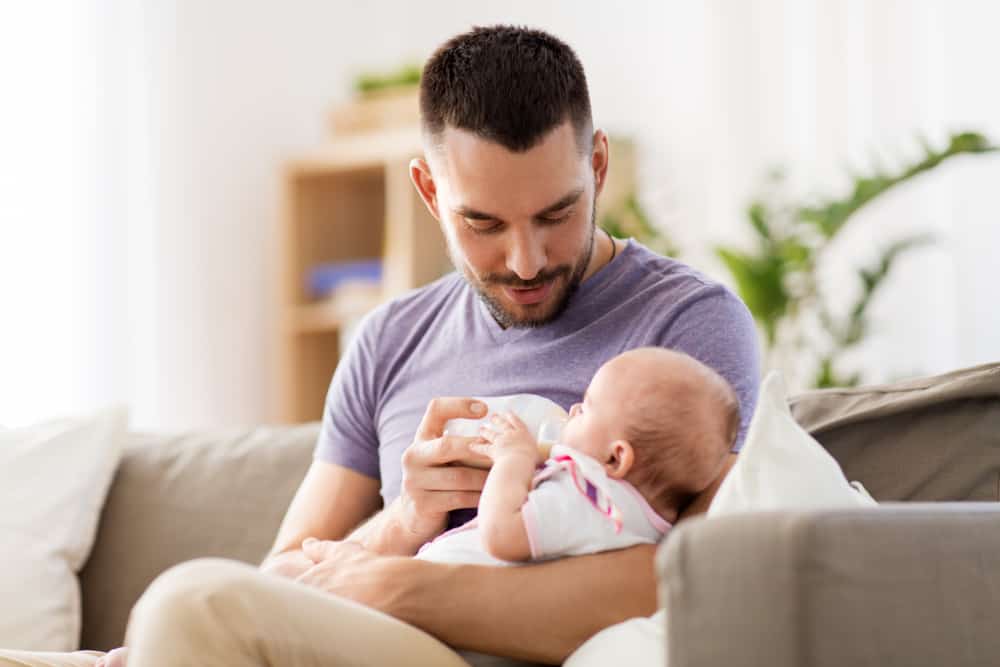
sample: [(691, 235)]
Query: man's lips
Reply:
[(529, 296)]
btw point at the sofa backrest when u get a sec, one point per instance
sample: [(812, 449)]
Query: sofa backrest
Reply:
[(175, 498), (928, 439)]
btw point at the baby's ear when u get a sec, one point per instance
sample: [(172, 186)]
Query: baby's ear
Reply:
[(620, 459)]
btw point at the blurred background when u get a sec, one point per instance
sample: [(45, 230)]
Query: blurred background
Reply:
[(173, 173)]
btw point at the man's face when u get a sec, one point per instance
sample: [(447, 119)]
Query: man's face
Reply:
[(519, 226)]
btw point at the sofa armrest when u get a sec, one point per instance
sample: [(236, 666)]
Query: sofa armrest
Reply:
[(903, 584)]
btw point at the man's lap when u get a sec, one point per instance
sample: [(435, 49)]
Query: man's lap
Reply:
[(288, 608)]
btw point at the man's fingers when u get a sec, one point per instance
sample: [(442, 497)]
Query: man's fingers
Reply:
[(440, 410), (313, 549), (443, 450), (455, 478), (446, 501)]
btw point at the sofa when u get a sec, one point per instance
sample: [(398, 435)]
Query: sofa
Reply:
[(914, 582)]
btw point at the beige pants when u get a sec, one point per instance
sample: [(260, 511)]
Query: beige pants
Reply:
[(220, 612)]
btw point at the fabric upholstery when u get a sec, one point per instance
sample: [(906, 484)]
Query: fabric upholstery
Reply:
[(899, 585), (928, 439), (175, 498)]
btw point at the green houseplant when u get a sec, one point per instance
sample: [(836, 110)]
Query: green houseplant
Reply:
[(778, 276)]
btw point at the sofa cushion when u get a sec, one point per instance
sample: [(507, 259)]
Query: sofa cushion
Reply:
[(927, 439), (175, 498), (54, 477)]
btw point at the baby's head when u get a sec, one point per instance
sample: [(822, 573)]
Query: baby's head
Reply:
[(658, 419)]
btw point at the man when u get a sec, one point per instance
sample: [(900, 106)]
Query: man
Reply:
[(540, 299)]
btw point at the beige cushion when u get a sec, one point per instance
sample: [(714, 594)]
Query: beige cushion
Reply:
[(928, 439), (53, 481), (183, 497)]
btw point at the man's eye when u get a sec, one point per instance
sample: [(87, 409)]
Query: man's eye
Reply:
[(555, 221), (480, 227)]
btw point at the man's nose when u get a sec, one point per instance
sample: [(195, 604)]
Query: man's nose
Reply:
[(526, 254)]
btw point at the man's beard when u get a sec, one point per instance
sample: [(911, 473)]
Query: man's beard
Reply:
[(507, 319)]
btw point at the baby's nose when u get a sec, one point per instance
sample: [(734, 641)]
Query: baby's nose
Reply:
[(574, 410)]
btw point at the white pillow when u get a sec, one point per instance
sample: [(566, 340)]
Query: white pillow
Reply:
[(637, 642), (782, 467), (54, 477)]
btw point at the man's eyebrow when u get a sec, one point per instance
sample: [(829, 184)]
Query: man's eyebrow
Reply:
[(563, 202), (566, 200), (472, 214)]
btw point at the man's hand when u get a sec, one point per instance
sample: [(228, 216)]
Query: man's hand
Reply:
[(437, 476), (507, 435), (289, 564), (347, 569)]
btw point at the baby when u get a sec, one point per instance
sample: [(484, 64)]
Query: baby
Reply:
[(651, 433)]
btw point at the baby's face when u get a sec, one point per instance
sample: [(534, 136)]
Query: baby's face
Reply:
[(598, 421)]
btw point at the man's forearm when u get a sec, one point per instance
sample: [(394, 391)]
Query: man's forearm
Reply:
[(539, 612)]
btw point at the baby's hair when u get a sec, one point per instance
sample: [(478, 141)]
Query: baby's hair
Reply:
[(679, 446)]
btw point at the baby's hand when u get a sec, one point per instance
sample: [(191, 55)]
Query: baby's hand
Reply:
[(508, 435)]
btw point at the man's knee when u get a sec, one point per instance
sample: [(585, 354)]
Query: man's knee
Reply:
[(183, 594)]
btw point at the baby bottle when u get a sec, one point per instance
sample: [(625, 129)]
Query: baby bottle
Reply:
[(549, 433)]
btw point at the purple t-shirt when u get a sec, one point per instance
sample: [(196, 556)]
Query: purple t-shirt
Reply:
[(440, 340)]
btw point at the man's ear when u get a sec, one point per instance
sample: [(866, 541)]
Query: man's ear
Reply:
[(599, 159), (423, 181), (620, 459)]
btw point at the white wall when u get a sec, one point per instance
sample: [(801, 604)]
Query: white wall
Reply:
[(212, 96)]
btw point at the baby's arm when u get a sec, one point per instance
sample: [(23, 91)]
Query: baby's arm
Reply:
[(515, 455)]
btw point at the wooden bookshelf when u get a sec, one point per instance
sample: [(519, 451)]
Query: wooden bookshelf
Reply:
[(350, 200)]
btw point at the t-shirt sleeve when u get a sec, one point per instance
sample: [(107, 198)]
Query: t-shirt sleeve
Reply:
[(348, 436), (716, 328)]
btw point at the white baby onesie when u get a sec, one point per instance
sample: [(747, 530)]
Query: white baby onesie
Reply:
[(573, 508)]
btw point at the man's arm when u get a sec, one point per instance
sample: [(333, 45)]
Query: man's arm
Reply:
[(330, 501), (540, 612)]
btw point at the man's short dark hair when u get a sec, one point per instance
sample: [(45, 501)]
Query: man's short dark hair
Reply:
[(507, 84)]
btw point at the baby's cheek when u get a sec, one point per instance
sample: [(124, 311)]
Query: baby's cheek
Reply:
[(570, 435)]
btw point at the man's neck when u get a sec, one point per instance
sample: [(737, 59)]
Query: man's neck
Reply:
[(604, 249)]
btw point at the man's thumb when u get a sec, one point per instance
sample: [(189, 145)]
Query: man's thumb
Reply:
[(312, 548)]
